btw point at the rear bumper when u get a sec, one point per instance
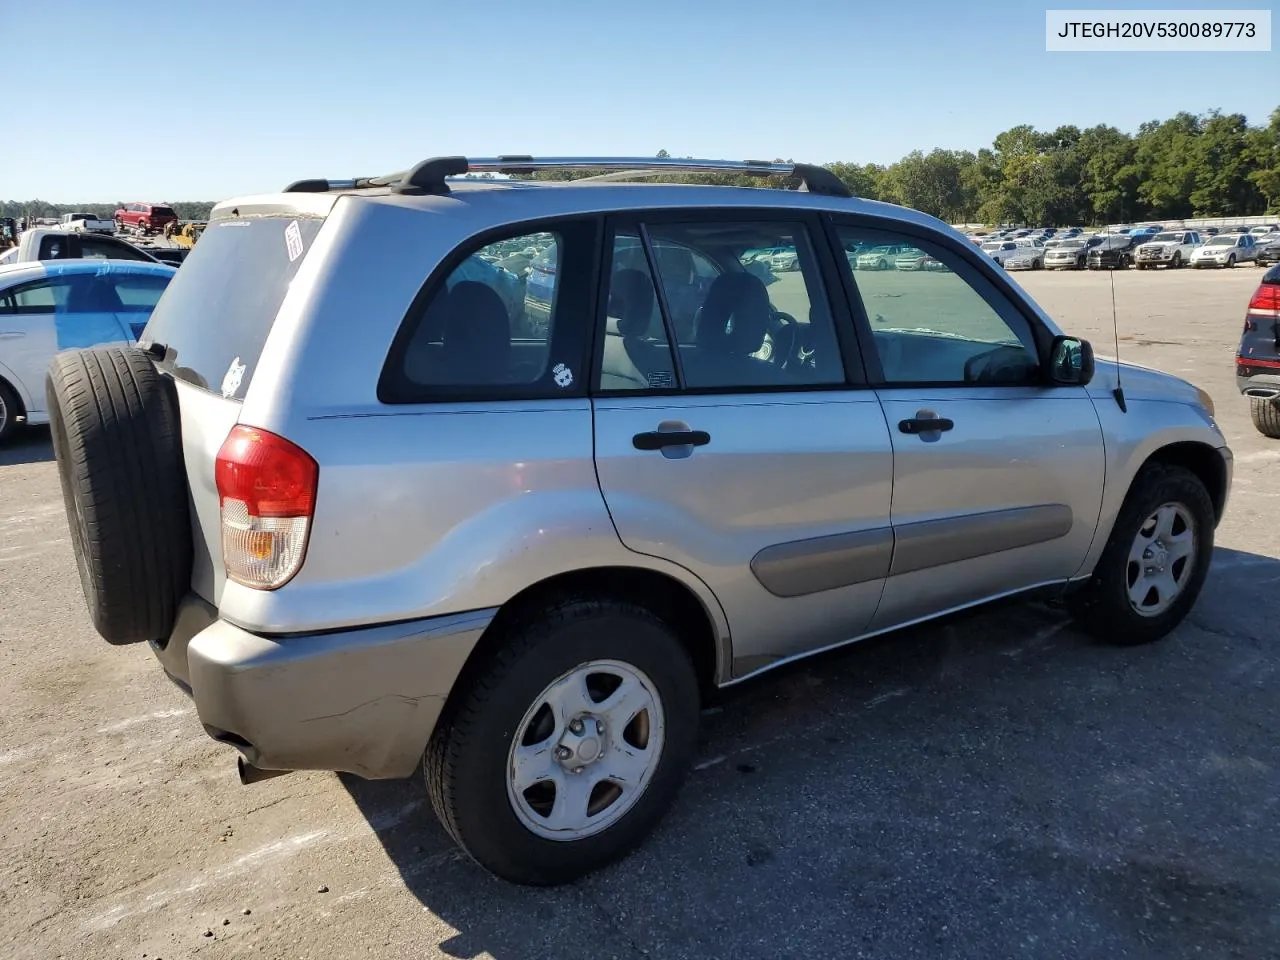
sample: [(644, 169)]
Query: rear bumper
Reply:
[(361, 701), (1265, 386)]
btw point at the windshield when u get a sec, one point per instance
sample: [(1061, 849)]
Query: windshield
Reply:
[(1228, 241), (1171, 237), (991, 246), (1071, 244)]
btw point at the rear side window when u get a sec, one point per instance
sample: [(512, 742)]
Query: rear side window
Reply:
[(139, 294), (94, 249), (507, 319), (221, 305)]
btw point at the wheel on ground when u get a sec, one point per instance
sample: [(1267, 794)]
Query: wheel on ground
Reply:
[(10, 410), (116, 436), (1155, 561), (1266, 416), (568, 743), (1176, 262), (1231, 260)]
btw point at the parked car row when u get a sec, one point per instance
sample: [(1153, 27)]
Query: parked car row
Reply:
[(1145, 247)]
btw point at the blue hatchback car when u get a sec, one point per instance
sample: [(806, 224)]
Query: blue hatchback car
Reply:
[(52, 305)]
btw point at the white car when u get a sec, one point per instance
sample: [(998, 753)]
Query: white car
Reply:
[(881, 257), (48, 306), (1225, 250), (87, 223), (1172, 248), (1029, 255), (1000, 250)]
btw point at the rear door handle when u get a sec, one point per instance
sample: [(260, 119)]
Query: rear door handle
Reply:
[(657, 439), (925, 424)]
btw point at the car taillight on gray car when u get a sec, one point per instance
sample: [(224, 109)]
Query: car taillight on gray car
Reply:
[(267, 495)]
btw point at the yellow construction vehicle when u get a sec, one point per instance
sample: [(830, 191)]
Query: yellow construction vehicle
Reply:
[(189, 233)]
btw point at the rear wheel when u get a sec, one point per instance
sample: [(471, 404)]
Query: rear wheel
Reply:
[(568, 744), (1155, 561), (10, 410), (1266, 416)]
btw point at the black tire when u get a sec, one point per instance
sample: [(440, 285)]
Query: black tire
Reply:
[(1176, 262), (466, 761), (1101, 607), (1266, 416), (10, 410), (117, 438), (1231, 261)]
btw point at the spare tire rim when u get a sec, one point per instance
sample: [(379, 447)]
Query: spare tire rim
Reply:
[(1161, 559), (585, 750)]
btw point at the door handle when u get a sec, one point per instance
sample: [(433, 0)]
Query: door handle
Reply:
[(925, 424), (657, 439)]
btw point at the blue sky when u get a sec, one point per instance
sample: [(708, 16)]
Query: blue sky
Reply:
[(255, 93)]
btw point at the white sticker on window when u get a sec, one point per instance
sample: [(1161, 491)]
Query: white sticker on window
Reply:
[(235, 375), (293, 240), (563, 375)]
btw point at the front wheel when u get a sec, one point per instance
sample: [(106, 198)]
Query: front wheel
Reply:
[(569, 742), (1155, 561), (1266, 416), (1176, 262), (1231, 261)]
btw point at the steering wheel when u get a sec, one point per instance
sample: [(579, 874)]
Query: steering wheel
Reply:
[(784, 331)]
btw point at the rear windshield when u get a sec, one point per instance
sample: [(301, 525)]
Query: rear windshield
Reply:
[(219, 308), (162, 212)]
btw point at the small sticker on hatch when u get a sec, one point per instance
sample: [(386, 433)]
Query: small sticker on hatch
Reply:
[(235, 376), (293, 240)]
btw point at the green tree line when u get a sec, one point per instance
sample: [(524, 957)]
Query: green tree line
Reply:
[(1214, 165), (31, 209)]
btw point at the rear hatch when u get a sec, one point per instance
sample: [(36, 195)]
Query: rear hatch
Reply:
[(213, 320)]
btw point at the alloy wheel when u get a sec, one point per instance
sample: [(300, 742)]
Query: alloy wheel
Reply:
[(585, 751), (1161, 559)]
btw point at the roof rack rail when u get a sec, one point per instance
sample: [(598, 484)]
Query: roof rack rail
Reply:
[(324, 186), (428, 177)]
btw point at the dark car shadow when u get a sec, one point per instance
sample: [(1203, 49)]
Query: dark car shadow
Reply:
[(963, 788), (27, 445)]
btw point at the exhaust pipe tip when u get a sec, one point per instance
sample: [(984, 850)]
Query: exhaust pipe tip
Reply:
[(251, 774)]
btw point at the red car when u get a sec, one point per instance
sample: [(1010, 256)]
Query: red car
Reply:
[(144, 218)]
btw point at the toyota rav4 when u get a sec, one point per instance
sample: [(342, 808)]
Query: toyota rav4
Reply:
[(368, 507)]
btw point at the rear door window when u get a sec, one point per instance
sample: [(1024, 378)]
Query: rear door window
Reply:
[(222, 304), (718, 306), (104, 249)]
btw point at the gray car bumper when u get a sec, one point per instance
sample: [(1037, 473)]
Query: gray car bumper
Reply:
[(361, 701)]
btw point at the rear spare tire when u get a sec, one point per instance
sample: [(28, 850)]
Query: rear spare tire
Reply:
[(117, 437)]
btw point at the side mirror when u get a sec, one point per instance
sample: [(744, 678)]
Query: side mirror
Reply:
[(1070, 361)]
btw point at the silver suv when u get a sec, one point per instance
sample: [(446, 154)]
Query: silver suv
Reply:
[(509, 474)]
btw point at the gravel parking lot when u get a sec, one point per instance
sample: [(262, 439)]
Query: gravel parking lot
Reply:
[(992, 786)]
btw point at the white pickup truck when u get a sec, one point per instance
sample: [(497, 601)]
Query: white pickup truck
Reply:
[(1172, 249), (87, 223)]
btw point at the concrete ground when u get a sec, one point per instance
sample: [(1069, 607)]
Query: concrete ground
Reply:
[(993, 786)]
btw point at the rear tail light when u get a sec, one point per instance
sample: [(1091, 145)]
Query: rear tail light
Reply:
[(267, 495), (1266, 301)]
